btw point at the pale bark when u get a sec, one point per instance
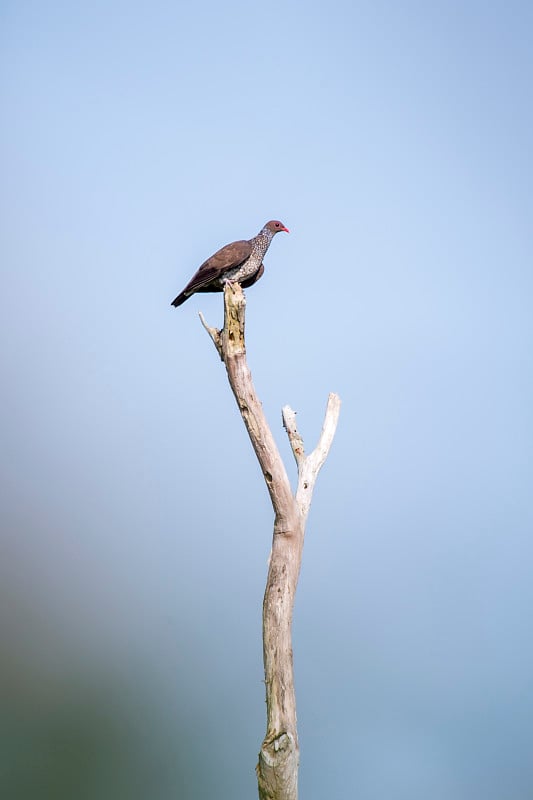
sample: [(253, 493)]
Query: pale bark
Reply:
[(277, 770)]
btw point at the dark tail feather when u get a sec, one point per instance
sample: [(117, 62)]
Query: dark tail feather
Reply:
[(181, 298)]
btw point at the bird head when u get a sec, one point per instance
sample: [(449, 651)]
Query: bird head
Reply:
[(275, 226)]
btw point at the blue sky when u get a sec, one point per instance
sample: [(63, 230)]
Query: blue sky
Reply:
[(394, 140)]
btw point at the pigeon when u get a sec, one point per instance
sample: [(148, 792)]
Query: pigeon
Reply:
[(238, 262)]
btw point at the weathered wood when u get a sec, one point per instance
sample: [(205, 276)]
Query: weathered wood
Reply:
[(277, 770), (309, 466)]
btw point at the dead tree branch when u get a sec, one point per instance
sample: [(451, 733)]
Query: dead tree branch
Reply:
[(277, 770)]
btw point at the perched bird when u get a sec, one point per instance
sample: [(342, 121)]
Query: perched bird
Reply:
[(240, 262)]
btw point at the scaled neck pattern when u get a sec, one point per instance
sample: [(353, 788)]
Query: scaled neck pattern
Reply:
[(262, 241)]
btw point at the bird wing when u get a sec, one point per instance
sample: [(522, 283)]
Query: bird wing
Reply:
[(228, 257)]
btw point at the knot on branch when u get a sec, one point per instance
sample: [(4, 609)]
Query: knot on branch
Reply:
[(277, 770), (278, 748)]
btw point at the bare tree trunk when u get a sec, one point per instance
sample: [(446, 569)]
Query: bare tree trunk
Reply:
[(277, 770)]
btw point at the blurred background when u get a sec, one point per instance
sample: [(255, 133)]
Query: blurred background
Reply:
[(394, 140)]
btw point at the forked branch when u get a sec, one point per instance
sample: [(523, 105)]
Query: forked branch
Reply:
[(277, 770), (309, 466)]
